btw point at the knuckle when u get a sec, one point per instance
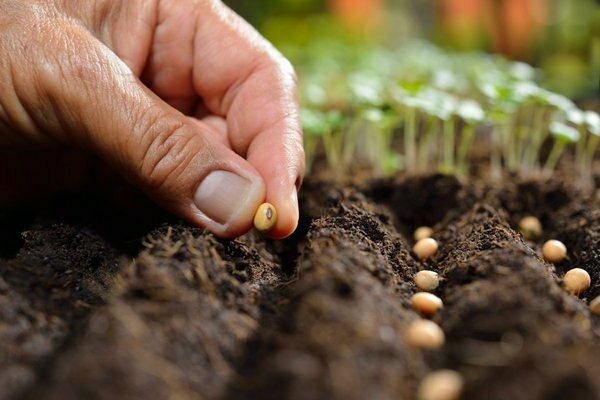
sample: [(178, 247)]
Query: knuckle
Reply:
[(165, 152)]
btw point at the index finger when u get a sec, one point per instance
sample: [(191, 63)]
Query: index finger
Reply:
[(242, 77)]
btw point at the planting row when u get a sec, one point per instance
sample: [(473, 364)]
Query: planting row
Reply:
[(341, 311), (426, 334)]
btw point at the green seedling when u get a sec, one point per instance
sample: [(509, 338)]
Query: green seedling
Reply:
[(371, 135), (546, 104), (333, 140), (472, 115), (592, 124), (314, 127), (576, 117), (429, 134), (442, 106), (563, 135), (406, 95), (322, 127)]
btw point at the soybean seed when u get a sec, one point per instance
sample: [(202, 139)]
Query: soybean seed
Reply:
[(422, 232), (577, 281), (424, 334), (425, 248), (427, 280), (444, 384), (554, 251), (426, 303), (595, 306), (530, 227), (265, 218)]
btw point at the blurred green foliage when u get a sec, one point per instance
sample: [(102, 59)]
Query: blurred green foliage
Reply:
[(567, 49)]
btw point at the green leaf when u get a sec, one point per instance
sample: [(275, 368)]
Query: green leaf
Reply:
[(592, 120), (563, 132), (470, 111)]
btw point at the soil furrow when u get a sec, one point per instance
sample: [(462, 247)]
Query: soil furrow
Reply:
[(504, 308), (53, 282), (340, 334), (173, 325)]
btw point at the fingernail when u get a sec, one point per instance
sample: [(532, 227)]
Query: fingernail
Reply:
[(222, 195)]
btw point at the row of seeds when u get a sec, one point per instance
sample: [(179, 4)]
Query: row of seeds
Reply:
[(426, 334)]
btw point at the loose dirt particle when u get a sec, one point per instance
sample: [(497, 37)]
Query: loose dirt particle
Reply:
[(426, 303), (444, 384), (530, 227), (424, 334), (554, 251), (577, 281), (422, 232), (595, 306), (425, 248), (427, 280), (265, 218)]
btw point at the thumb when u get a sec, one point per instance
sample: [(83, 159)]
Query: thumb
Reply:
[(97, 102)]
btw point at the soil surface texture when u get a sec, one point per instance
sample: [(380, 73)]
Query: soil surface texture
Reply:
[(101, 303)]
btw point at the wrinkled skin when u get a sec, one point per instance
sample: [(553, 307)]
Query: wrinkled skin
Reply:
[(162, 91)]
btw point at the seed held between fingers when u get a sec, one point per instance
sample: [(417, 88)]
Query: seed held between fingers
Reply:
[(530, 227), (444, 384), (425, 248), (426, 303), (595, 306), (577, 281), (265, 218), (427, 280), (424, 334), (422, 232), (554, 251)]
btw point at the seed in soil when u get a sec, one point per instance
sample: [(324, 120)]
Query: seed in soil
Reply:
[(530, 227), (265, 218), (427, 280), (554, 251), (444, 384), (595, 306), (422, 232), (426, 303), (424, 334), (577, 281), (425, 248)]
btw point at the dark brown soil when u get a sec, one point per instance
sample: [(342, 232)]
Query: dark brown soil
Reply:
[(97, 303)]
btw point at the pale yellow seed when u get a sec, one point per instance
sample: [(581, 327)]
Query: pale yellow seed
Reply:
[(595, 306), (427, 280), (425, 248), (265, 218), (577, 281), (531, 227), (424, 334), (426, 303), (444, 384), (422, 232), (554, 251)]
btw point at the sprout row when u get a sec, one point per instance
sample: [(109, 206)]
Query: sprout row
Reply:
[(420, 109)]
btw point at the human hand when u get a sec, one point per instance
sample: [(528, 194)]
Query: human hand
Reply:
[(182, 97)]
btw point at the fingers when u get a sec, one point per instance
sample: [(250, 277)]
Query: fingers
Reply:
[(242, 77), (91, 98), (203, 49), (279, 158)]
